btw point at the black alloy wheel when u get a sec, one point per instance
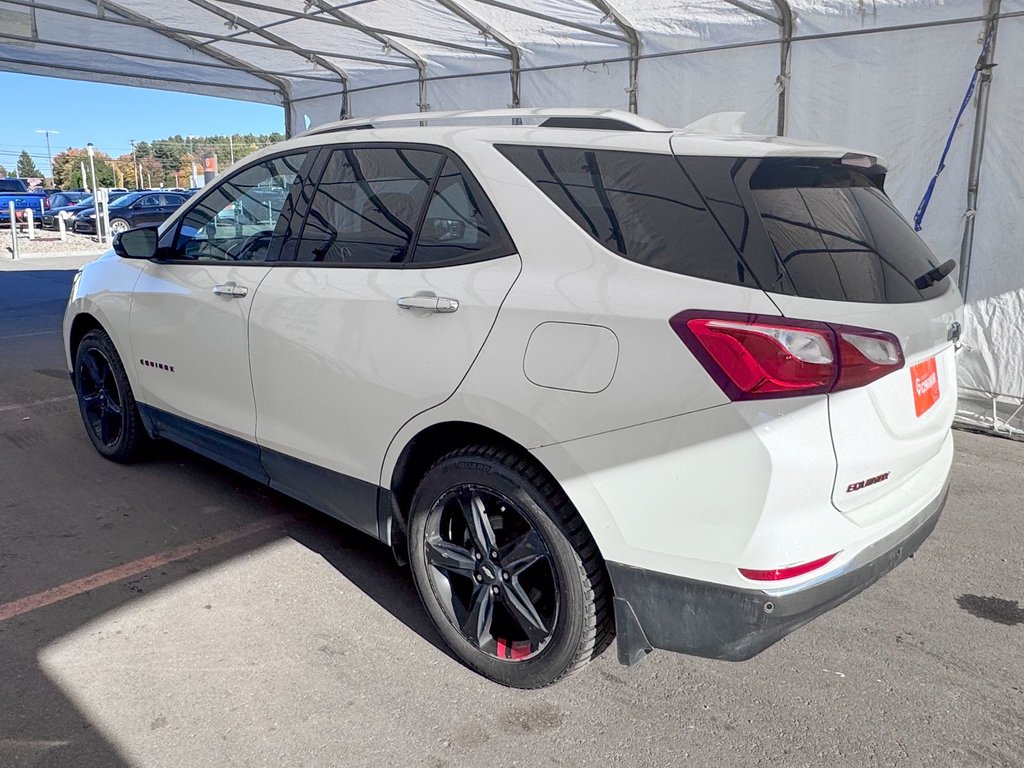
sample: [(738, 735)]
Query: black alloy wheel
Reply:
[(491, 572), (101, 401), (106, 401), (506, 568)]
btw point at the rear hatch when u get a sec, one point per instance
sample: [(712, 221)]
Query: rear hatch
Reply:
[(826, 245)]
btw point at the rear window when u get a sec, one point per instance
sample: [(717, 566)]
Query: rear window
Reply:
[(12, 185), (805, 227), (837, 236)]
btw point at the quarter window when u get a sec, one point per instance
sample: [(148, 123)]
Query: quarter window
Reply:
[(459, 222), (368, 206), (639, 205), (237, 220)]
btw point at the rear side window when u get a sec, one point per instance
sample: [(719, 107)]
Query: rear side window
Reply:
[(367, 206), (639, 205), (806, 227)]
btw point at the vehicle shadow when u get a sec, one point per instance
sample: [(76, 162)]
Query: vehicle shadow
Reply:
[(66, 515)]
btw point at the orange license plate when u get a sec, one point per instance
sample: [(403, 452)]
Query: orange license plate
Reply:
[(925, 379)]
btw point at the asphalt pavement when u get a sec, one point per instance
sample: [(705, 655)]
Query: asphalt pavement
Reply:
[(173, 613)]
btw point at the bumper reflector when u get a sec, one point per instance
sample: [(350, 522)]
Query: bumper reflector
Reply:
[(788, 572)]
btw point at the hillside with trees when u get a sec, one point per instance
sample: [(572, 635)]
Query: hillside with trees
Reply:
[(163, 162)]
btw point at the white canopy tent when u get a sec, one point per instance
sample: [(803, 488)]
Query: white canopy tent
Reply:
[(886, 76)]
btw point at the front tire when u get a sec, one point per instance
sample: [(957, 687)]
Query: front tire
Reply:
[(506, 569), (105, 400)]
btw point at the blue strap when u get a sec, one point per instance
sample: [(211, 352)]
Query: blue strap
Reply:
[(923, 205)]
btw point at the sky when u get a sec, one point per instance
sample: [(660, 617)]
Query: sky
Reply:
[(111, 115)]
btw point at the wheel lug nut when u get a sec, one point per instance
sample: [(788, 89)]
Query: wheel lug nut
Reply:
[(494, 590), (504, 575), (476, 576), (494, 554), (478, 556)]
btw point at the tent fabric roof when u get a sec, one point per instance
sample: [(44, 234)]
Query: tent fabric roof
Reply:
[(285, 51)]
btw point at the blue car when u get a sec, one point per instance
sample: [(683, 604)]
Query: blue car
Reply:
[(136, 209)]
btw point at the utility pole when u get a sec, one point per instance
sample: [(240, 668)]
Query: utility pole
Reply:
[(49, 155), (135, 167), (231, 144)]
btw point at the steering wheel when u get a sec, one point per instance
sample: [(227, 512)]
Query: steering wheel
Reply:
[(245, 250)]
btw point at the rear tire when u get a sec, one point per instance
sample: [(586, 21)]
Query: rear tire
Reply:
[(540, 584), (105, 400), (117, 226)]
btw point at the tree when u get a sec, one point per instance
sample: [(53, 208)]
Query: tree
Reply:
[(67, 169), (3, 172), (27, 167)]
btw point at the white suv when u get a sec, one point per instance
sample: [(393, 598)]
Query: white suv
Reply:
[(589, 375)]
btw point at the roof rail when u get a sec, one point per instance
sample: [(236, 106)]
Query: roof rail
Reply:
[(571, 117)]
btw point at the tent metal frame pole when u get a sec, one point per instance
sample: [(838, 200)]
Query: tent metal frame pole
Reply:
[(984, 67), (195, 39), (388, 42), (222, 65), (278, 40), (632, 36), (488, 30), (150, 78), (554, 20), (282, 84), (785, 22), (359, 26)]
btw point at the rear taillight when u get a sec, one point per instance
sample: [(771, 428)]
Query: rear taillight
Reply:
[(762, 356)]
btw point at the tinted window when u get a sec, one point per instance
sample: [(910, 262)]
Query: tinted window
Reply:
[(149, 201), (12, 185), (639, 205), (173, 199), (836, 234), (459, 222), (236, 221), (367, 206)]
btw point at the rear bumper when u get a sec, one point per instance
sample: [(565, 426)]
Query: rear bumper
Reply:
[(657, 610)]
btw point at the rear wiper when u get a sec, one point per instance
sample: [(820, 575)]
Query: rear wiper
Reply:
[(933, 276)]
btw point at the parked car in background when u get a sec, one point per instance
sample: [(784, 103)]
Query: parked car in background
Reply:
[(18, 192), (134, 209), (61, 199), (49, 220), (589, 378)]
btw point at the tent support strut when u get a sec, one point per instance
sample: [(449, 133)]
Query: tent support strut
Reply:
[(785, 22), (985, 66), (633, 39)]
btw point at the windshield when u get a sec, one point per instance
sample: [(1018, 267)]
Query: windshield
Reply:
[(122, 201)]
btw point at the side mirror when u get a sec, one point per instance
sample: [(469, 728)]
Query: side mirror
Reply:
[(138, 243)]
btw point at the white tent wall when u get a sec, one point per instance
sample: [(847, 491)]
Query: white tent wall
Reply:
[(992, 366), (374, 92), (604, 85), (671, 89)]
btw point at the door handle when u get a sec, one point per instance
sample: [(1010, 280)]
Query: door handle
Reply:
[(429, 303), (231, 290)]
